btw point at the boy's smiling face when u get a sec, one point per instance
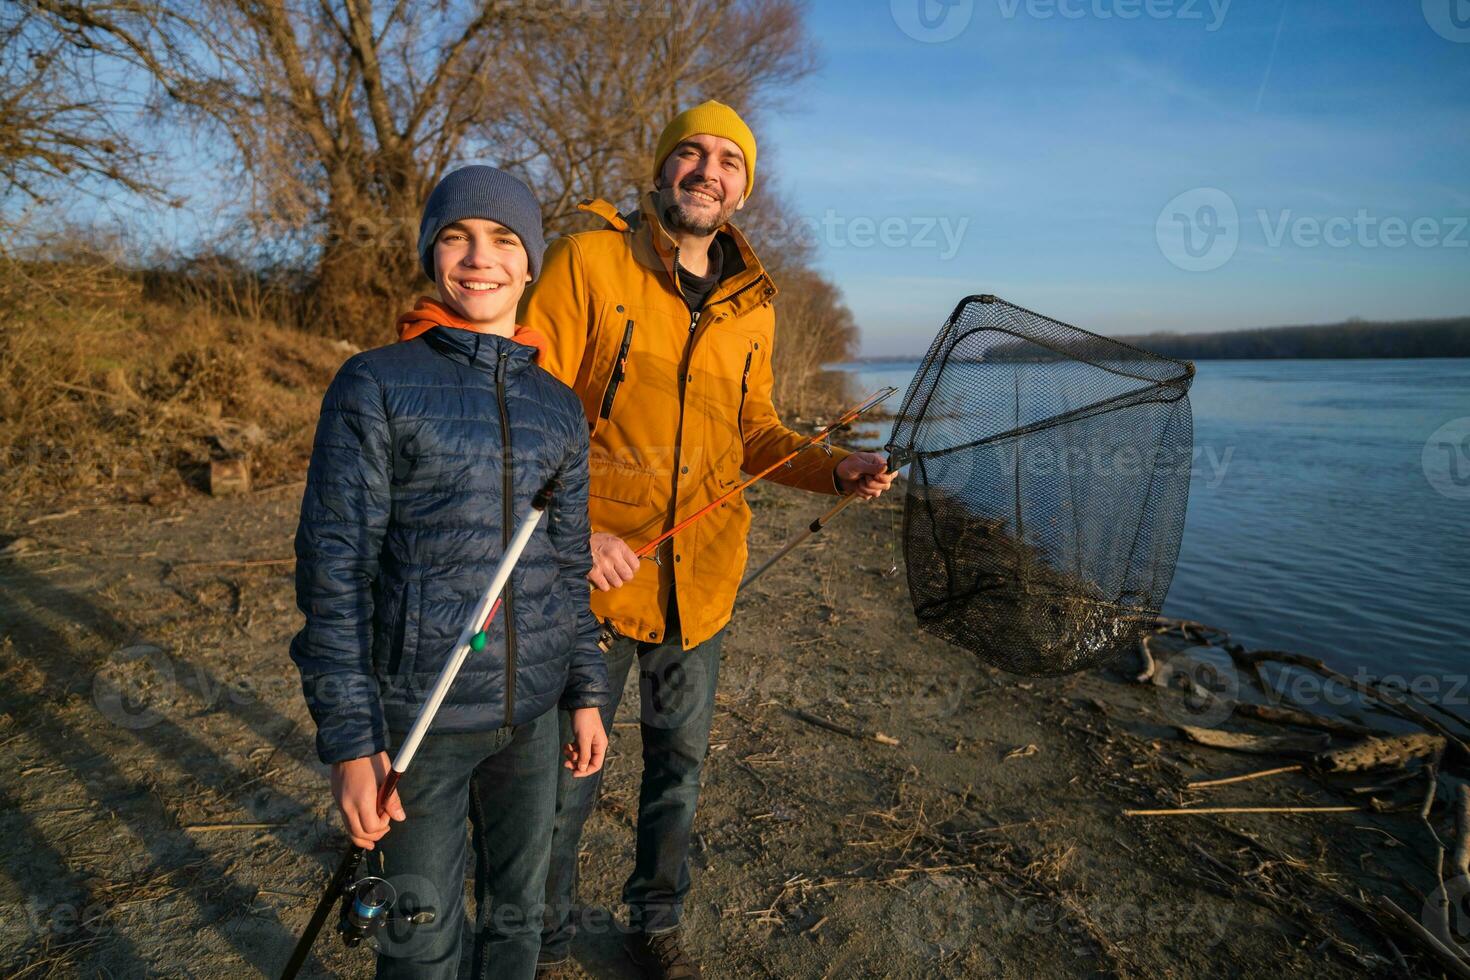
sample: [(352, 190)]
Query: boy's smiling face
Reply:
[(481, 270)]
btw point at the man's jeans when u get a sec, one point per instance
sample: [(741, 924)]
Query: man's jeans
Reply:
[(677, 690), (504, 782)]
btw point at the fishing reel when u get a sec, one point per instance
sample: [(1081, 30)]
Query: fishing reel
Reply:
[(368, 905)]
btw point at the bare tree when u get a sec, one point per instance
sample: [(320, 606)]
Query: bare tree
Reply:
[(584, 97), (69, 111), (344, 113)]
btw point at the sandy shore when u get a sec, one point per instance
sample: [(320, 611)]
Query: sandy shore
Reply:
[(163, 812)]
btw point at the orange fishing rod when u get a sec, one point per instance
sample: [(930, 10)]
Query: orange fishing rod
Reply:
[(843, 419)]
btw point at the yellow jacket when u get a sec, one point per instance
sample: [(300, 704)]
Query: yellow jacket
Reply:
[(691, 411)]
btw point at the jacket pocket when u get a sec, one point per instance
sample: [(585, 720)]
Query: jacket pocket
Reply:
[(613, 479), (403, 647)]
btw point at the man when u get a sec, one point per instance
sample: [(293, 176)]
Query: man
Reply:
[(663, 325)]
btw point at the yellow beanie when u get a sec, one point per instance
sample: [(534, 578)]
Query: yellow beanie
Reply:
[(715, 119)]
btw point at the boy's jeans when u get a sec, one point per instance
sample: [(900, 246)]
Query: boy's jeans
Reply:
[(504, 782), (677, 690)]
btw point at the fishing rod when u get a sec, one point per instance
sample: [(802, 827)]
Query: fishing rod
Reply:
[(367, 903), (819, 438), (815, 527)]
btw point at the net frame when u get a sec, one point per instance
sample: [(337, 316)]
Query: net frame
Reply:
[(1121, 613)]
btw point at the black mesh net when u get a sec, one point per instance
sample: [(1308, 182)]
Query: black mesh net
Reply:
[(1048, 472)]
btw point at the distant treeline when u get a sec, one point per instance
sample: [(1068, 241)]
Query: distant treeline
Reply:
[(1355, 338)]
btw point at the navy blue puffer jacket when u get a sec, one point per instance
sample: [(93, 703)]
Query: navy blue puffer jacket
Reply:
[(426, 453)]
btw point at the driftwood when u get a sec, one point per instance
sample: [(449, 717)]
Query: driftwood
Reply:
[(1215, 738), (1374, 753), (1367, 688), (1462, 832), (210, 828), (1371, 753), (1387, 783), (1302, 719), (1245, 777), (832, 726), (1447, 956)]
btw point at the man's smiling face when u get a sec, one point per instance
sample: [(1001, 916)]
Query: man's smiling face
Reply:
[(702, 184), (481, 269)]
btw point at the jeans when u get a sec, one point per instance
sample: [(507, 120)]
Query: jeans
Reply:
[(504, 783), (677, 690)]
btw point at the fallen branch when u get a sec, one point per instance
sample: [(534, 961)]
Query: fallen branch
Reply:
[(1448, 957), (209, 828), (1146, 674), (1462, 832), (1259, 774), (832, 726), (73, 512), (1181, 811), (1215, 738), (1302, 719)]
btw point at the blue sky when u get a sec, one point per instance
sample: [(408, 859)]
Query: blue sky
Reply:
[(1059, 152)]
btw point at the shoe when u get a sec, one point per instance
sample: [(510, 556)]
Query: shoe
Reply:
[(660, 956), (554, 969)]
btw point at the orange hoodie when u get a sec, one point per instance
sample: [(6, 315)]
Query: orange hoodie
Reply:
[(430, 313)]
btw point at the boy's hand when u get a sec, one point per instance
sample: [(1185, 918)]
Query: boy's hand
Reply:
[(588, 745), (355, 786), (613, 562)]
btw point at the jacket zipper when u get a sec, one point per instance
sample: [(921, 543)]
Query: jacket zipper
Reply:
[(508, 517), (744, 389), (619, 372)]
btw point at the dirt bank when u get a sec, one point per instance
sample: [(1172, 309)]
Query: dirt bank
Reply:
[(163, 813)]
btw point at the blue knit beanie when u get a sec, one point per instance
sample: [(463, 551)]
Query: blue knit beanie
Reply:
[(482, 192)]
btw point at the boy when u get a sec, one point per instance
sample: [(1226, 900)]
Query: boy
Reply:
[(425, 452)]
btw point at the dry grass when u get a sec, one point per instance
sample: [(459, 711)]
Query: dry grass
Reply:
[(120, 384), (103, 390)]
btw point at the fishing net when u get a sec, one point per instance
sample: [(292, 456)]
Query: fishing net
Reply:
[(1048, 472)]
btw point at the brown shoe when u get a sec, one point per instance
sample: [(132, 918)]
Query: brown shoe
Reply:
[(660, 956)]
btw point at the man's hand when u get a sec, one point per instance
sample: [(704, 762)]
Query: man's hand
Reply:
[(613, 562), (864, 474), (588, 745), (355, 786)]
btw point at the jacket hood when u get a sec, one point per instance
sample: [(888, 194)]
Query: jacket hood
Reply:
[(429, 313)]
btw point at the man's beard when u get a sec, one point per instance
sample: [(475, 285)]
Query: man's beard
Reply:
[(677, 217)]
